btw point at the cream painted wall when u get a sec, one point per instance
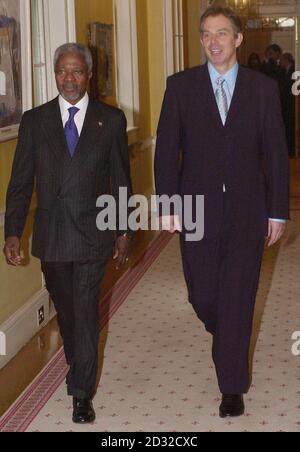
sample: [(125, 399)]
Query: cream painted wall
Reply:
[(143, 118), (17, 285), (193, 12), (88, 11), (156, 40), (92, 11), (7, 151)]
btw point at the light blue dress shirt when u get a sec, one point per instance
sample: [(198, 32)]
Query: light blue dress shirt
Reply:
[(230, 81)]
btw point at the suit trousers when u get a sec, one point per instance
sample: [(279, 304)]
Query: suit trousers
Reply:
[(222, 275), (75, 291)]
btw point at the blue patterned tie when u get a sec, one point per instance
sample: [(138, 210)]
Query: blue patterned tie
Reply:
[(222, 100), (71, 131)]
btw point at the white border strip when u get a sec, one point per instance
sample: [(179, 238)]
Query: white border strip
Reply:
[(71, 20), (169, 38), (23, 325), (59, 22)]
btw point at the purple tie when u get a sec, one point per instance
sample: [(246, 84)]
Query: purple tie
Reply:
[(71, 131)]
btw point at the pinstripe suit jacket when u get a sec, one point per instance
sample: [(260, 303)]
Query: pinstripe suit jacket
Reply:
[(67, 188)]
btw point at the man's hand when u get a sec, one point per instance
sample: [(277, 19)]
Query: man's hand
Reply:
[(276, 231), (122, 248), (11, 251), (170, 223)]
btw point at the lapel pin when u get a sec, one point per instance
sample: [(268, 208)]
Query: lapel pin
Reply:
[(100, 124)]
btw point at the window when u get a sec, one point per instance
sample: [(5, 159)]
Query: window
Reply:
[(174, 38), (53, 24)]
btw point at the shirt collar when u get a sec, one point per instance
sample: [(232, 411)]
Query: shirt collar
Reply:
[(65, 105), (230, 76)]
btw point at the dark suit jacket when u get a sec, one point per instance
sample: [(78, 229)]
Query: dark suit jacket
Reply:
[(289, 100), (249, 154), (67, 188)]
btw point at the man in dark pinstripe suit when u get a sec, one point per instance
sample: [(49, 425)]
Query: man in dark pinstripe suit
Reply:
[(75, 150)]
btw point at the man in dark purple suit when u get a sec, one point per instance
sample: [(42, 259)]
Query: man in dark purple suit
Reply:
[(221, 135)]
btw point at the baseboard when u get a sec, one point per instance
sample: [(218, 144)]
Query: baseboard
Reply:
[(19, 329)]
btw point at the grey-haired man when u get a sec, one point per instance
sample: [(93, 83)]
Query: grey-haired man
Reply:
[(74, 149)]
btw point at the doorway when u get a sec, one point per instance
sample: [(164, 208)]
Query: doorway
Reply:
[(259, 34)]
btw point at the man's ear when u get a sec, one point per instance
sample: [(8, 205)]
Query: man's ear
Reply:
[(201, 41), (239, 40), (90, 75)]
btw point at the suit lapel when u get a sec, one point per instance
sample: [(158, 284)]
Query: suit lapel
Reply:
[(52, 127), (86, 133), (51, 124), (210, 99), (92, 127), (239, 99)]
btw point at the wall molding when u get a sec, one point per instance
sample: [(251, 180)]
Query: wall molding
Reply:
[(147, 143), (169, 38), (59, 28), (20, 328), (126, 54)]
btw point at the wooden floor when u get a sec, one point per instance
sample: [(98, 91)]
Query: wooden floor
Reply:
[(19, 373)]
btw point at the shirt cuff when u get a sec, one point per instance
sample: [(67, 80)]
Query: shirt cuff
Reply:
[(278, 220)]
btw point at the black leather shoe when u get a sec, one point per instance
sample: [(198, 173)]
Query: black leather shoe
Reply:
[(232, 406), (83, 412)]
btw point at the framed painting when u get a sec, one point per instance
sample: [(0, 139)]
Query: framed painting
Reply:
[(15, 65), (101, 46)]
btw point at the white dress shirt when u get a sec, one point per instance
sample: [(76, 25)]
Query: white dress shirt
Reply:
[(79, 118)]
